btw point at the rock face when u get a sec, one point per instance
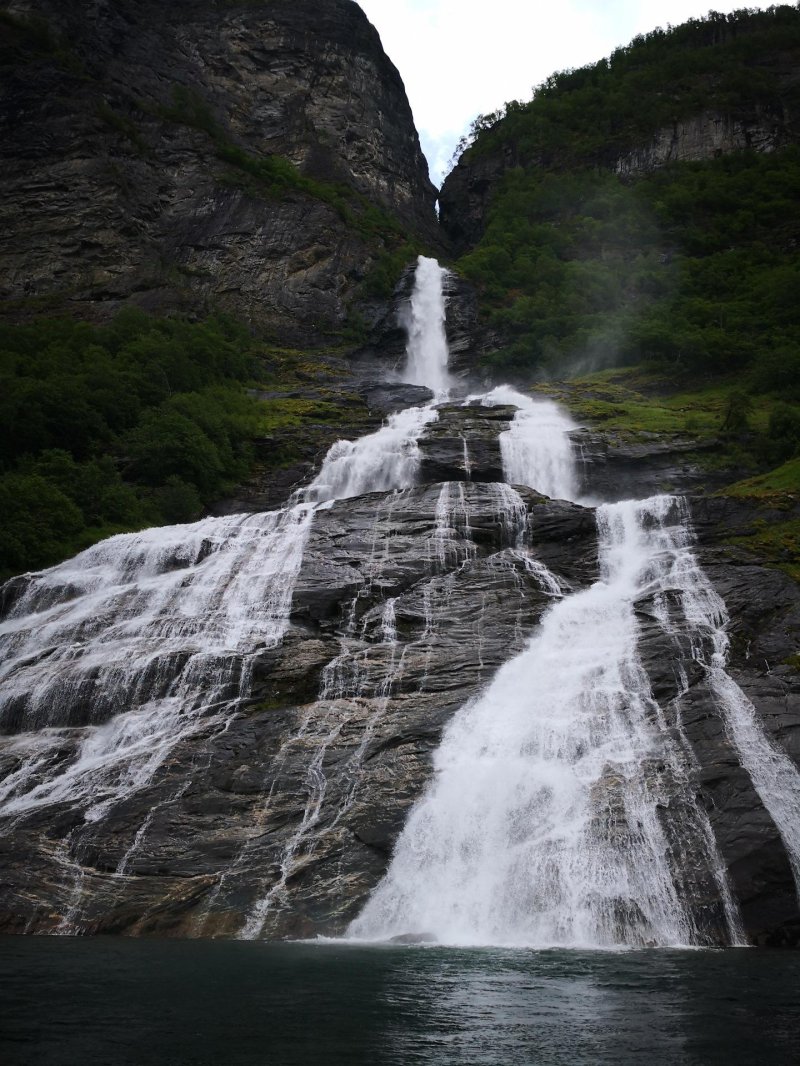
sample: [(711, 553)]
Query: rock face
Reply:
[(145, 150), (462, 445), (613, 467), (707, 136), (467, 193)]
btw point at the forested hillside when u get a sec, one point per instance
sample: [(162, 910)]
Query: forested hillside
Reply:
[(585, 260), (643, 212)]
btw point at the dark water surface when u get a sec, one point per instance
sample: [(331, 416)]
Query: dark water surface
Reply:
[(81, 1002)]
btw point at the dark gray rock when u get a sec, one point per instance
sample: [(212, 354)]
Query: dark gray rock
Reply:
[(386, 398), (612, 466), (121, 181), (463, 445)]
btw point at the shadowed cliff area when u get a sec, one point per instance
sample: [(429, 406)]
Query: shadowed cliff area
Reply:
[(205, 209), (251, 157)]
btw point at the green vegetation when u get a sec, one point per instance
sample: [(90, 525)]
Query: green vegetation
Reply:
[(731, 429), (646, 400), (596, 113), (145, 421), (777, 486), (122, 125), (777, 545), (117, 427), (686, 275), (692, 265)]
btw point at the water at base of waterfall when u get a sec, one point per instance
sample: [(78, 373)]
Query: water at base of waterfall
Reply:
[(172, 1003)]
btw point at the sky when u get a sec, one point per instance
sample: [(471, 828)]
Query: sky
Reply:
[(462, 58)]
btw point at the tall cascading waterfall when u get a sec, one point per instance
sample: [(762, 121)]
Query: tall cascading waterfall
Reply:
[(542, 825), (348, 678)]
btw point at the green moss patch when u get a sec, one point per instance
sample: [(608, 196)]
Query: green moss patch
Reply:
[(776, 545)]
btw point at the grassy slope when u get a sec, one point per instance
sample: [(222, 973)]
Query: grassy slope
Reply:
[(635, 403)]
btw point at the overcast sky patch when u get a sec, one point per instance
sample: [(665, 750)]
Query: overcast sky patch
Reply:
[(459, 58)]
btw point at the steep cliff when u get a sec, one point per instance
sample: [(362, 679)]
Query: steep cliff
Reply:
[(253, 157)]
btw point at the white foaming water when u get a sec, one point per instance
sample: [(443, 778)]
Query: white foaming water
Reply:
[(158, 625), (541, 826), (774, 775), (424, 321), (379, 462), (537, 450), (147, 637)]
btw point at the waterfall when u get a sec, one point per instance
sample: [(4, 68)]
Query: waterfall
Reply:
[(427, 351), (541, 826), (379, 462), (774, 775), (124, 650), (536, 449), (113, 657), (563, 807)]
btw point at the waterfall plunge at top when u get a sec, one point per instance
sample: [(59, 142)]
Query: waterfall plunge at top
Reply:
[(424, 321)]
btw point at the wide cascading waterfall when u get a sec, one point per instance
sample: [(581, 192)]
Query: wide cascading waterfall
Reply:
[(112, 658), (115, 657), (563, 809), (427, 350)]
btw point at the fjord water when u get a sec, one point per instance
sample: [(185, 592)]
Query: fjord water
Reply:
[(121, 1002)]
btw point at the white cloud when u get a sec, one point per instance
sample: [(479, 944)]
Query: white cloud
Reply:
[(460, 58)]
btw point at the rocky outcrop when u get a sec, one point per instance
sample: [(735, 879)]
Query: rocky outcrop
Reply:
[(707, 135), (616, 466), (202, 155), (462, 444)]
